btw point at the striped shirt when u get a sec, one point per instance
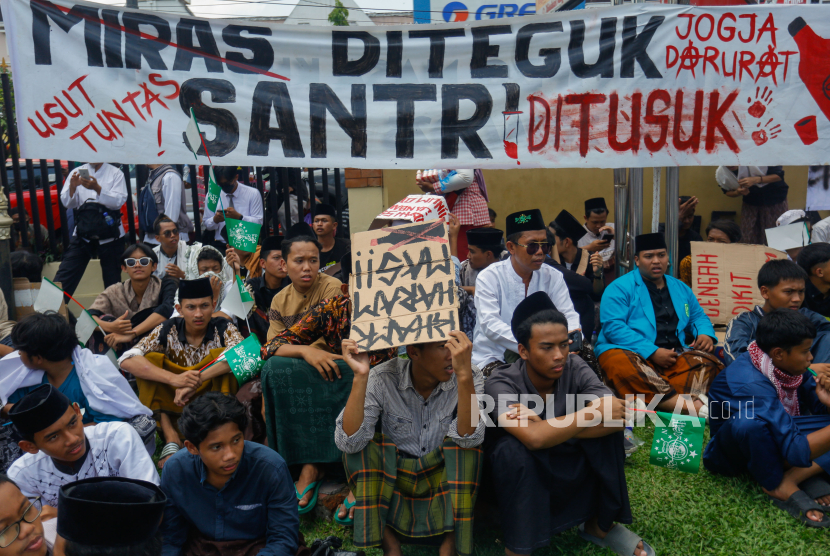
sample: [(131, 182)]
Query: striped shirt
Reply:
[(416, 426)]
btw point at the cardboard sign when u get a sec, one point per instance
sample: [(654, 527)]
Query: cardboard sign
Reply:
[(403, 286), (725, 277), (417, 208)]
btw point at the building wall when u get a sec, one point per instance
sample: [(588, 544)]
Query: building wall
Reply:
[(567, 188)]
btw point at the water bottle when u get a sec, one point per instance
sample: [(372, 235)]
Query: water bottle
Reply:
[(108, 219)]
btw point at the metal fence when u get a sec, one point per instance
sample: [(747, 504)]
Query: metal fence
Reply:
[(39, 183)]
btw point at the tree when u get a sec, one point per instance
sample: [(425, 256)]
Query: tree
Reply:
[(339, 14)]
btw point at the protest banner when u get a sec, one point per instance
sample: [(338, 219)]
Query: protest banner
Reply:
[(403, 286), (417, 208), (639, 85), (725, 277)]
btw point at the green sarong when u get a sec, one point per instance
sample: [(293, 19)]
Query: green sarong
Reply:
[(418, 498), (301, 409)]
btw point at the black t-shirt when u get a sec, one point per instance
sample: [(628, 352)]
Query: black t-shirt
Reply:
[(665, 315), (328, 258), (684, 244), (769, 194)]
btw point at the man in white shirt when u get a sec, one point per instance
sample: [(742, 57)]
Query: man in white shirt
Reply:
[(106, 186), (60, 450), (239, 202), (503, 285), (173, 253), (169, 194), (597, 226)]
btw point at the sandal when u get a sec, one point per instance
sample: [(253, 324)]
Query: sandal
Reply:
[(169, 449), (619, 539), (816, 487), (345, 521), (311, 503), (798, 505)]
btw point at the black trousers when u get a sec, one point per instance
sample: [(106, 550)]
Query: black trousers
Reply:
[(544, 492), (77, 257)]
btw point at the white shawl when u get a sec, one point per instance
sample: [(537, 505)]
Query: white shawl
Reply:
[(728, 181), (106, 390)]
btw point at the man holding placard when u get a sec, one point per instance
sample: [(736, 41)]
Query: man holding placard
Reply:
[(236, 201), (646, 316)]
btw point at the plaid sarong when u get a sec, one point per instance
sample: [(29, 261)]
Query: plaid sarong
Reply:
[(418, 498), (301, 409)]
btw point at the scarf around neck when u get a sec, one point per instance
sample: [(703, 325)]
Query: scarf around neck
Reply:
[(785, 384)]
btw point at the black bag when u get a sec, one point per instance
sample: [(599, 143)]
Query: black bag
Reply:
[(95, 222)]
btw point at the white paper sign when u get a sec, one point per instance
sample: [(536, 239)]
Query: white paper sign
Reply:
[(790, 236), (417, 208)]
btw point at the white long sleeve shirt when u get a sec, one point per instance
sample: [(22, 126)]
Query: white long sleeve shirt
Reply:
[(499, 290), (246, 200), (113, 192), (171, 191)]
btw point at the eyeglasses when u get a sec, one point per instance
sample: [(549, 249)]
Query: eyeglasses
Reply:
[(533, 247), (30, 514), (143, 261), (169, 233)]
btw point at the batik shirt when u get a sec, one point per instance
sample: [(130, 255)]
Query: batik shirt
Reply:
[(330, 320), (178, 350)]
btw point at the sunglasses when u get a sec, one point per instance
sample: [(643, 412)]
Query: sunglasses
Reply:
[(534, 247), (143, 261), (169, 233)]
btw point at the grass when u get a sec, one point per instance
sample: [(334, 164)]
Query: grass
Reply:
[(679, 514)]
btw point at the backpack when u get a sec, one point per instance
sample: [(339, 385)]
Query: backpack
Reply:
[(150, 199)]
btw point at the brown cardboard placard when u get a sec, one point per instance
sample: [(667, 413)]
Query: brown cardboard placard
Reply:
[(403, 288), (725, 277), (25, 294)]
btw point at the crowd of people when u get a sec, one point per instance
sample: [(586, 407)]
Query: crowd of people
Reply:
[(170, 450)]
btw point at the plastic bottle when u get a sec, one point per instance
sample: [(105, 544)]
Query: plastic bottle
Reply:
[(108, 219)]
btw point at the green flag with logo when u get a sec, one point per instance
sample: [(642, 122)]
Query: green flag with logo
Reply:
[(678, 442), (243, 235), (244, 359), (212, 196)]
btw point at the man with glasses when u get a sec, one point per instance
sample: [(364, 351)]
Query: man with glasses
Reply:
[(503, 285), (646, 317), (60, 450), (129, 310), (21, 528), (168, 193), (172, 250)]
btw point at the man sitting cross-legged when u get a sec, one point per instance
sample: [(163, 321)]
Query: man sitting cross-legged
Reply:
[(129, 310), (782, 284), (170, 357), (225, 495), (770, 418), (48, 353), (418, 478), (291, 359), (563, 460), (60, 450), (642, 347)]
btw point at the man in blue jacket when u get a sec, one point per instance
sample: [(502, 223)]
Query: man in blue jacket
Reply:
[(782, 284), (645, 318)]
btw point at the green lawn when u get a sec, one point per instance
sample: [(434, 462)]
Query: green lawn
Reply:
[(677, 513)]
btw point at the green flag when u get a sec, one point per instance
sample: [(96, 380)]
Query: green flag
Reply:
[(49, 298), (244, 359), (238, 301), (678, 442), (243, 235), (212, 196)]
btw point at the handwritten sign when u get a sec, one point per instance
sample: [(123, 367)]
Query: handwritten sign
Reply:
[(403, 286), (417, 208), (725, 277)]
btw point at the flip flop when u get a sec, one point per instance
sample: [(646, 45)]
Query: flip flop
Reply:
[(798, 505), (619, 539), (311, 503), (816, 487), (345, 521), (169, 449)]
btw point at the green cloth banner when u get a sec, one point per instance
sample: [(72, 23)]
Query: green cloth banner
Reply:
[(243, 235), (678, 442), (212, 197), (245, 360)]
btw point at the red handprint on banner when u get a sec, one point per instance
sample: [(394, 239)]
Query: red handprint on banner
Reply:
[(762, 100), (766, 132)]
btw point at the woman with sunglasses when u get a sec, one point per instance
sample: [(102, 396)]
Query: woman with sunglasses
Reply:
[(129, 310), (21, 528)]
